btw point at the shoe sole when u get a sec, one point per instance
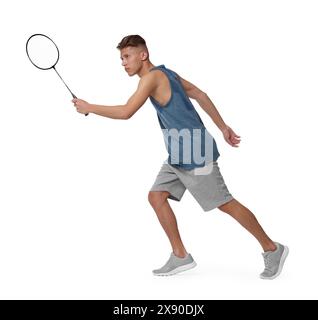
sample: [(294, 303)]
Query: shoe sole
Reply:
[(177, 270), (280, 267)]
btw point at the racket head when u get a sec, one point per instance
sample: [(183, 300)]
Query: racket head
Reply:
[(42, 51)]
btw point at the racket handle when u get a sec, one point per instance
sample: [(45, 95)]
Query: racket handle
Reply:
[(74, 97)]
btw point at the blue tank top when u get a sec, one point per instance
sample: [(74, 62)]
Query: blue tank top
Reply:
[(188, 143)]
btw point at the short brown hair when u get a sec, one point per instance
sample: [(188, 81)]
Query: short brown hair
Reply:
[(134, 40)]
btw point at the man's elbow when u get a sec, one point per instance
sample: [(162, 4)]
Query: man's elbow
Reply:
[(127, 114), (198, 95), (130, 110), (201, 95)]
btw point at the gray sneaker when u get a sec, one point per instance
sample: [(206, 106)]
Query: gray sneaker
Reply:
[(274, 261), (175, 265)]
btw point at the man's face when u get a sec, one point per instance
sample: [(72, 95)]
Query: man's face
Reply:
[(132, 58)]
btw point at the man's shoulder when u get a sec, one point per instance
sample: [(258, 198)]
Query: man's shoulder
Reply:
[(153, 73), (151, 77), (163, 72)]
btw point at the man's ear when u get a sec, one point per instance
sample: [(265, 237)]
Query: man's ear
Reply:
[(144, 55)]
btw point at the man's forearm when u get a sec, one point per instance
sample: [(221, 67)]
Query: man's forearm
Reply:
[(207, 105), (114, 112)]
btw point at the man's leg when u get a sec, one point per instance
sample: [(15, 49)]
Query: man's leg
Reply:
[(247, 219), (159, 202)]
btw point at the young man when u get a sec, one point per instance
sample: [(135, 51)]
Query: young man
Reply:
[(193, 154)]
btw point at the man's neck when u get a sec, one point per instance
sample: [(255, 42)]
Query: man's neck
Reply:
[(145, 69)]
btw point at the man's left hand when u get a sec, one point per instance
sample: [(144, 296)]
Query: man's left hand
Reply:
[(231, 137)]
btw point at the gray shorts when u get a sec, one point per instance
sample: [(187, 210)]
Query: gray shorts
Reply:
[(206, 184)]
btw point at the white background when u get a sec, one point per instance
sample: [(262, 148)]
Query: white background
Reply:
[(75, 222)]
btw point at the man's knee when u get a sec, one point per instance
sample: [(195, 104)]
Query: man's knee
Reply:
[(228, 206), (156, 198)]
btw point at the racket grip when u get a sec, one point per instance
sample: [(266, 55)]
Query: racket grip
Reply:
[(74, 97)]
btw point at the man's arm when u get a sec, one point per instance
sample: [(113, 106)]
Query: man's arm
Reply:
[(145, 87), (207, 105), (204, 101)]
